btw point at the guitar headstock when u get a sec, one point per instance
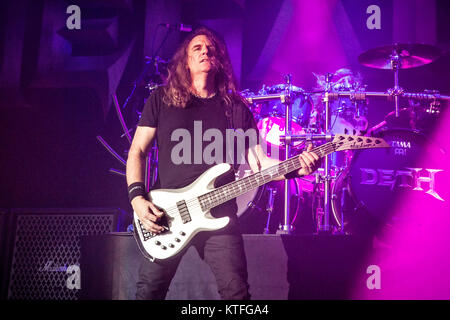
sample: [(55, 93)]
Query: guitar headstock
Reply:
[(349, 142)]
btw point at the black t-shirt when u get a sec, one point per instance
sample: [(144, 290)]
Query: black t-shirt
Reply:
[(188, 138)]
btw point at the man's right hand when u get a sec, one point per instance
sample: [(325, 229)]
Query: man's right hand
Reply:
[(148, 214)]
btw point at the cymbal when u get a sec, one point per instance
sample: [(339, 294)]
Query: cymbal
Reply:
[(410, 56)]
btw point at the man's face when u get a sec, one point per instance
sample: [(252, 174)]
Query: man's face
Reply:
[(199, 55)]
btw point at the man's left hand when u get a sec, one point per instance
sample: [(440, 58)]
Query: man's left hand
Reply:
[(309, 161)]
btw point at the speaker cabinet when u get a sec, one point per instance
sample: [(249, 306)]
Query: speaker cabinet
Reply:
[(3, 238), (44, 250)]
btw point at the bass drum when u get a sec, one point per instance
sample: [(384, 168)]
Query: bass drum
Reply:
[(252, 206), (370, 190)]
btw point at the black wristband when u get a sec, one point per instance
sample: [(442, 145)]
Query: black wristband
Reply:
[(136, 189), (292, 175)]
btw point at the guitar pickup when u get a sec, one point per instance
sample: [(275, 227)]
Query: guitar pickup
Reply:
[(184, 212)]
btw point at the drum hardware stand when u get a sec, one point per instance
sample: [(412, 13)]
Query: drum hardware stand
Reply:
[(434, 108), (324, 212), (324, 225), (286, 228), (269, 97), (429, 95), (396, 91), (288, 139), (357, 98), (252, 205), (320, 179), (285, 98), (317, 208), (308, 137), (344, 205), (269, 207), (324, 221)]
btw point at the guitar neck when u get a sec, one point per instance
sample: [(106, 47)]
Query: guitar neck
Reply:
[(236, 188)]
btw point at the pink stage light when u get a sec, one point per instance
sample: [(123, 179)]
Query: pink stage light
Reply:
[(414, 255), (310, 44)]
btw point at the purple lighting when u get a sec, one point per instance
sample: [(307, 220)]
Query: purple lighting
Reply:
[(412, 252), (310, 44)]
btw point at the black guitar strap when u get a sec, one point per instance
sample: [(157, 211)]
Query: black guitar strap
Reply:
[(230, 125)]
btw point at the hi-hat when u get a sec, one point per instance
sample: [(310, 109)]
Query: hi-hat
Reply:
[(407, 55)]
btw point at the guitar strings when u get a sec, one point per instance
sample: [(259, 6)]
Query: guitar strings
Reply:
[(269, 173), (216, 196)]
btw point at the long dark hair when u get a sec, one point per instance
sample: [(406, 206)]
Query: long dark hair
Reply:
[(178, 84)]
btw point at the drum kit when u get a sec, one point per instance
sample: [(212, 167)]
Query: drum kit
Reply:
[(349, 184)]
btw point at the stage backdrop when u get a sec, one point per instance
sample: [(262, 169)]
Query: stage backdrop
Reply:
[(62, 64)]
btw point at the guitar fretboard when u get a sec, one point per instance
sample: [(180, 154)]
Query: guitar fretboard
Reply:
[(236, 188)]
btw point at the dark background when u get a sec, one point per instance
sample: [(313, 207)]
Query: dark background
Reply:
[(56, 84)]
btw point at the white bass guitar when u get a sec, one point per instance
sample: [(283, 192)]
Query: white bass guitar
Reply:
[(187, 210)]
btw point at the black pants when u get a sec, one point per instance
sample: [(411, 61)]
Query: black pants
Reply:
[(223, 252)]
